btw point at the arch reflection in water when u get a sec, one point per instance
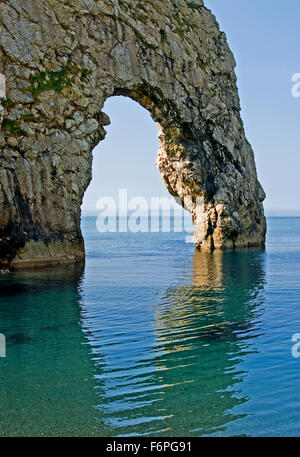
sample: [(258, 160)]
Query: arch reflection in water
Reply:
[(176, 372), (205, 330), (47, 382)]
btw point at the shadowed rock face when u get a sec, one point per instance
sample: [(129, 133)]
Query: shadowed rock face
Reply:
[(61, 61)]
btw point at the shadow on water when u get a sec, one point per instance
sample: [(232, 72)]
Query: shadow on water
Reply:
[(47, 378)]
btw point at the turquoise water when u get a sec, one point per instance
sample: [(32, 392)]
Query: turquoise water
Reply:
[(153, 338)]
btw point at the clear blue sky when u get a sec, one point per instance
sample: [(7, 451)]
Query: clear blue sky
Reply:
[(264, 36)]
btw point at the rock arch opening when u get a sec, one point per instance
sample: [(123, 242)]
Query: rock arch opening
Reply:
[(126, 157), (125, 180)]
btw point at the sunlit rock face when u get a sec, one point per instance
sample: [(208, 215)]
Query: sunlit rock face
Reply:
[(60, 61)]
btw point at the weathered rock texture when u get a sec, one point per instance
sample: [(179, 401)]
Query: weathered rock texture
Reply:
[(62, 59)]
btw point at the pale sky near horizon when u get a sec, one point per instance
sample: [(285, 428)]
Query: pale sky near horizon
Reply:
[(264, 37)]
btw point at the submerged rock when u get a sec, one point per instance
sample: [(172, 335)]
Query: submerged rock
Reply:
[(60, 61)]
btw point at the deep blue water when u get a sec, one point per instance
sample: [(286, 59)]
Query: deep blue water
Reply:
[(154, 338)]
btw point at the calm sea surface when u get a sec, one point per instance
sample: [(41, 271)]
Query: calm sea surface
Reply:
[(153, 338)]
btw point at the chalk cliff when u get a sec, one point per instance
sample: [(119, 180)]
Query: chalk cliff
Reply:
[(61, 60)]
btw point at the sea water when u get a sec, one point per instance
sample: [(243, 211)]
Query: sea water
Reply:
[(154, 338)]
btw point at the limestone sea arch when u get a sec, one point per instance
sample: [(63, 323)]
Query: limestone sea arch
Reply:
[(61, 60)]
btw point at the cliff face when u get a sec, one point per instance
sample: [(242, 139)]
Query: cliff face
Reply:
[(61, 60)]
